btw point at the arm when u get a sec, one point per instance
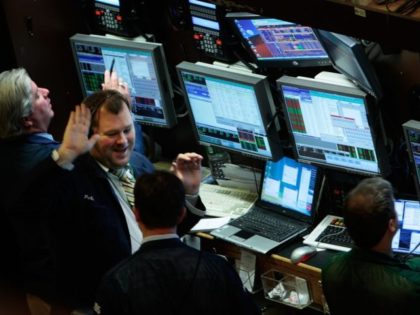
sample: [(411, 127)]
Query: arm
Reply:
[(109, 297), (113, 82), (76, 141), (187, 167)]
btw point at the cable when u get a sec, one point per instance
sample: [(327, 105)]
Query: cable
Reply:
[(329, 235), (406, 256)]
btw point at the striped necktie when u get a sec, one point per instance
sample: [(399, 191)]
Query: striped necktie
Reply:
[(127, 182)]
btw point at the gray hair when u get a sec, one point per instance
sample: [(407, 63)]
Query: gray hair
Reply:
[(15, 101)]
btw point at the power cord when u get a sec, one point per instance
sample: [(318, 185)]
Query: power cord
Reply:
[(406, 256)]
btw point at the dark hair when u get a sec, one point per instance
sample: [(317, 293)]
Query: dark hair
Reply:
[(113, 101), (159, 198), (367, 211)]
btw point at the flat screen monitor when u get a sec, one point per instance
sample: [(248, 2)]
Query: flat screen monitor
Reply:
[(408, 235), (231, 110), (110, 2), (292, 185), (348, 57), (141, 64), (330, 125), (278, 43), (411, 131)]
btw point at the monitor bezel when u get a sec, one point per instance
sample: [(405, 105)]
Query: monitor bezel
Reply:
[(341, 90), (412, 125), (264, 100), (358, 56), (159, 63), (274, 63)]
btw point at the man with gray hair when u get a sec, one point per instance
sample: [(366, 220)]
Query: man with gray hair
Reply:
[(25, 114), (369, 279)]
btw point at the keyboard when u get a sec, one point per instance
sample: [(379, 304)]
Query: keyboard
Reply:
[(335, 235), (265, 225), (330, 233), (226, 201)]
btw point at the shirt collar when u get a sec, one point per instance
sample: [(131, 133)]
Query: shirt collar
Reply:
[(159, 237)]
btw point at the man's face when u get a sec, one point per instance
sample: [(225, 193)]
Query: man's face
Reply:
[(117, 137), (42, 112)]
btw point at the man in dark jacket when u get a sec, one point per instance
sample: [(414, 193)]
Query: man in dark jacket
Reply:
[(75, 220), (165, 276), (368, 279)]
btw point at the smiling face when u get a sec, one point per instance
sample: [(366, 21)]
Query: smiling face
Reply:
[(42, 112), (117, 137)]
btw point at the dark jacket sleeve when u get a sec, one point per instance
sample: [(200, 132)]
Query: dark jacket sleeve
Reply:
[(191, 218)]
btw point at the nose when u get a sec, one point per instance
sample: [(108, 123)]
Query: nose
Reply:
[(122, 138), (44, 91)]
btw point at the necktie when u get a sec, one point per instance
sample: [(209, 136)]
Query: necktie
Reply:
[(127, 182)]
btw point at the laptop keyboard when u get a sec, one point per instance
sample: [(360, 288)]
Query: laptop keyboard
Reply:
[(258, 222), (335, 234)]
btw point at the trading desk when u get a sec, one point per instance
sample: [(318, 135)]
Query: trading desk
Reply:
[(279, 260)]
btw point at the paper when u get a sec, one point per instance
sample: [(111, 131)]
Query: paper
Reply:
[(208, 224), (246, 269)]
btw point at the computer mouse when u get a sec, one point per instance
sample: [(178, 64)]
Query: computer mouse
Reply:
[(303, 253)]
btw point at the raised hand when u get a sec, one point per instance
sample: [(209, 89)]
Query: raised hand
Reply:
[(187, 167), (113, 82), (76, 141)]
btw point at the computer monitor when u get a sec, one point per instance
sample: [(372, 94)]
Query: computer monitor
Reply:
[(348, 57), (230, 109), (277, 43), (141, 64), (330, 126), (411, 131), (407, 238)]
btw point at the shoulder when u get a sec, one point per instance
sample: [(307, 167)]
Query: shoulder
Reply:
[(141, 164)]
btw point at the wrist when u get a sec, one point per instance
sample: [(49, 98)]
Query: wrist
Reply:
[(61, 160)]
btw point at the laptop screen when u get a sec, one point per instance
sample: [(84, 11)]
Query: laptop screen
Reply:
[(292, 185), (408, 235)]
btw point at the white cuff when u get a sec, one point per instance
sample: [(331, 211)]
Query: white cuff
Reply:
[(56, 157)]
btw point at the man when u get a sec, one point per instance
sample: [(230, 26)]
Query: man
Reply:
[(368, 279), (165, 276), (75, 220), (25, 114)]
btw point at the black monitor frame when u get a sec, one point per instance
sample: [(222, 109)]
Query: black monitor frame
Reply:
[(264, 101), (319, 157), (349, 58), (280, 61), (163, 115), (411, 131)]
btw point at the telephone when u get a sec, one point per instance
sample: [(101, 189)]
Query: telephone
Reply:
[(129, 18), (209, 29)]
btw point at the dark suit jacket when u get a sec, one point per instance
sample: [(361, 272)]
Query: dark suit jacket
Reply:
[(168, 277), (72, 229), (18, 155)]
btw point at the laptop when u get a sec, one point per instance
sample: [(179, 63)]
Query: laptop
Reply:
[(404, 241), (285, 209)]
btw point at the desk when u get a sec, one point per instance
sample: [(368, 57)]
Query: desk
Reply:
[(310, 270)]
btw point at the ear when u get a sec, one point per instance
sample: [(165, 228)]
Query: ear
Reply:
[(182, 215), (393, 224), (27, 122)]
